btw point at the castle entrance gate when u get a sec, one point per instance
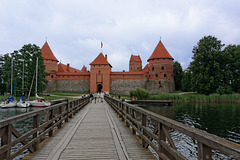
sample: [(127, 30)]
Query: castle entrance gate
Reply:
[(99, 88)]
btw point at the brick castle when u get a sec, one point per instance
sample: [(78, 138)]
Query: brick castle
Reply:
[(156, 77)]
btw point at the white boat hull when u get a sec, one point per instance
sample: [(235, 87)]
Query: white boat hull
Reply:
[(40, 104), (23, 104), (8, 104)]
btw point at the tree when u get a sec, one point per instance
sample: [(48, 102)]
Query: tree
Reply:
[(205, 67), (27, 54), (187, 81), (177, 71)]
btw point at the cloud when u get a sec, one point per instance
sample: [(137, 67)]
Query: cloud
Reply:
[(74, 29)]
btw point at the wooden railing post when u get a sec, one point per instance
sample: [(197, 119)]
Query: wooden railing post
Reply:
[(144, 120), (35, 135), (67, 109), (6, 139), (133, 116), (71, 110), (60, 113), (204, 152), (127, 113), (50, 133)]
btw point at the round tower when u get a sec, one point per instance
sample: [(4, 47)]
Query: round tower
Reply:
[(161, 70), (50, 62)]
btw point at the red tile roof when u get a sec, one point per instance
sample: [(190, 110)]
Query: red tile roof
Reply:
[(63, 68), (100, 60), (160, 52), (136, 58), (47, 52), (84, 69)]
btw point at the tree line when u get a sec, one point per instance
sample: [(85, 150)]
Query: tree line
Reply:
[(214, 69), (26, 56)]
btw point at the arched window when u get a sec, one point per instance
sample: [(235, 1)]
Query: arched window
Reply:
[(162, 67), (99, 72), (165, 75), (156, 75), (153, 68), (51, 76)]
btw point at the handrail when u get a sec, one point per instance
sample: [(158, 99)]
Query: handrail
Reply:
[(165, 147), (55, 116)]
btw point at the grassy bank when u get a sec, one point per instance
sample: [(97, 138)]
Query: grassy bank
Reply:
[(193, 97)]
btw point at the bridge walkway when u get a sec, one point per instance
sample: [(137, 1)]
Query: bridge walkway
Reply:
[(95, 132)]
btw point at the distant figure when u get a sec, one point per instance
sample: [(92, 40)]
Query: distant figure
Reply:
[(91, 97), (132, 98), (119, 96), (95, 97), (101, 96), (98, 96)]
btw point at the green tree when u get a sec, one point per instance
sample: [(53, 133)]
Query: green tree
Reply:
[(177, 71), (205, 67), (187, 81), (27, 54)]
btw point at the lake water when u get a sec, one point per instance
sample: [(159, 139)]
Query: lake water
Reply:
[(222, 120)]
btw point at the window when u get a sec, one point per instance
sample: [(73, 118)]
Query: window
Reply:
[(165, 75), (156, 75), (153, 68), (162, 67), (51, 76), (99, 72)]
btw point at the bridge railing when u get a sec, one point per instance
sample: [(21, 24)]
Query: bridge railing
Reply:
[(158, 133), (41, 124)]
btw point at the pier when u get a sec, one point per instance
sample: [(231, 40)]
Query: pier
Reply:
[(112, 129)]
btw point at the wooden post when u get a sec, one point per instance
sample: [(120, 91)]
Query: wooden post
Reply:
[(6, 139), (35, 125), (204, 152), (144, 120), (50, 133), (67, 109), (127, 113), (133, 116), (60, 119)]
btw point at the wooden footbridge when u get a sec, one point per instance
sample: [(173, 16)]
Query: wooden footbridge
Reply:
[(78, 129)]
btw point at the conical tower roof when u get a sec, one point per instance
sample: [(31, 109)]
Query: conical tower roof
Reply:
[(160, 52), (100, 60), (47, 52)]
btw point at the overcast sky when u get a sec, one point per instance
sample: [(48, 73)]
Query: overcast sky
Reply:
[(75, 28)]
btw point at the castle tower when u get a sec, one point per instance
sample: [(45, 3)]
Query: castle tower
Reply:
[(135, 64), (161, 68), (100, 74), (50, 61)]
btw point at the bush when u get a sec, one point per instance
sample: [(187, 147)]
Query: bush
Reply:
[(139, 93)]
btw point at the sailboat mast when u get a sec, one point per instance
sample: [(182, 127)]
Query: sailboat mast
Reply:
[(36, 77), (23, 79), (11, 75)]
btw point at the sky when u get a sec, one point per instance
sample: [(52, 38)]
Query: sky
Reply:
[(74, 29)]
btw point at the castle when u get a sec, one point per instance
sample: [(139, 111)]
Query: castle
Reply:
[(156, 77)]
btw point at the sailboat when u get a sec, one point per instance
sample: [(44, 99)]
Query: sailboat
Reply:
[(39, 101), (22, 102), (10, 102)]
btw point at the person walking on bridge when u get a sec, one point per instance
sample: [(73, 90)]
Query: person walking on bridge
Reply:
[(95, 97), (101, 96)]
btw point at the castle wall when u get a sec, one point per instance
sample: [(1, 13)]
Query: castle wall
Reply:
[(123, 86), (51, 86), (73, 85), (154, 86)]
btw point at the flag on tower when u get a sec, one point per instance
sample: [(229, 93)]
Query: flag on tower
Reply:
[(101, 44)]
